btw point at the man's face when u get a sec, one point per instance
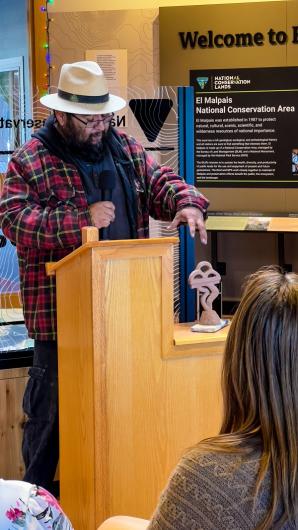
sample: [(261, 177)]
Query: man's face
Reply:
[(84, 132)]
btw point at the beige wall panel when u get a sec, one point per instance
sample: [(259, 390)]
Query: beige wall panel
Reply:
[(95, 5), (291, 204), (136, 31), (252, 199)]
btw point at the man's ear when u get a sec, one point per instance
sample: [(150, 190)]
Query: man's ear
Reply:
[(60, 117)]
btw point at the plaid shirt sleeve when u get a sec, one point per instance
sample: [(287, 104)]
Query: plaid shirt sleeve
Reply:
[(167, 192), (29, 223)]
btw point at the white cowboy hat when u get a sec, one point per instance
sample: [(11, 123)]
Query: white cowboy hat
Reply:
[(82, 89)]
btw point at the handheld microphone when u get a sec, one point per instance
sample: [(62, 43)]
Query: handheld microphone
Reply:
[(106, 183)]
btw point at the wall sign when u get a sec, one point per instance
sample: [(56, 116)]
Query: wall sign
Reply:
[(246, 123), (211, 39)]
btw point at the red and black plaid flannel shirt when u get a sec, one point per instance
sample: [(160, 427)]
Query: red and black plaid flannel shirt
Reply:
[(43, 208)]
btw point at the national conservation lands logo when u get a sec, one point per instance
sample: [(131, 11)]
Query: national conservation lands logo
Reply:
[(202, 82)]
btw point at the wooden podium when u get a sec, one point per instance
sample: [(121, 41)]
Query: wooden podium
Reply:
[(130, 401)]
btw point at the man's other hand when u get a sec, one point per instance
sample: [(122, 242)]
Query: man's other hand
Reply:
[(194, 218), (102, 213)]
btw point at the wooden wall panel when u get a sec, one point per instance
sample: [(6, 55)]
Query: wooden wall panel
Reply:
[(12, 386)]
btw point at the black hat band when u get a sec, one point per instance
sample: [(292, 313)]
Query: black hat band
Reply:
[(75, 98)]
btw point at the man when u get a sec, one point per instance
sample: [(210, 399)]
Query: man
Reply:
[(52, 189)]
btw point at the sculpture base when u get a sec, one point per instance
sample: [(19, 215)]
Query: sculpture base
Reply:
[(202, 328)]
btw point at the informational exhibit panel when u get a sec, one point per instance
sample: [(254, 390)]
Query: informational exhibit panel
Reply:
[(246, 127)]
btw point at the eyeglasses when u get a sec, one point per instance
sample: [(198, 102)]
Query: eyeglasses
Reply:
[(105, 118)]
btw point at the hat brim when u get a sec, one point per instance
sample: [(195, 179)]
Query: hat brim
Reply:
[(55, 102)]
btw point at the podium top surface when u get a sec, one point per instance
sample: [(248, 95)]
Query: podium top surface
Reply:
[(51, 268), (184, 336)]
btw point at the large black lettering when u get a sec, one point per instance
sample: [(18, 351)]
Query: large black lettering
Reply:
[(188, 38), (281, 37), (271, 34), (244, 39), (229, 40), (216, 41), (259, 39), (295, 35), (120, 121)]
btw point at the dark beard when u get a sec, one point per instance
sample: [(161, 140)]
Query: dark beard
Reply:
[(83, 149)]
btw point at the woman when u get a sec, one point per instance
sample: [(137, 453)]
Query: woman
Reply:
[(23, 505), (247, 476)]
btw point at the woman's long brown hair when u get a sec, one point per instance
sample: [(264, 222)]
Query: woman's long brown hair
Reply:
[(260, 387)]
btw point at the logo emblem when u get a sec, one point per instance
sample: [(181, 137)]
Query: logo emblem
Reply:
[(151, 115), (202, 82)]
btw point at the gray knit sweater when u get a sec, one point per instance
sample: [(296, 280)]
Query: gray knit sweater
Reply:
[(213, 491)]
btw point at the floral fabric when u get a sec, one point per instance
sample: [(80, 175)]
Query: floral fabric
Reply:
[(23, 505)]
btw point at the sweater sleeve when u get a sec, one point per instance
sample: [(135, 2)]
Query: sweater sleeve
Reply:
[(28, 223), (175, 510), (212, 490)]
